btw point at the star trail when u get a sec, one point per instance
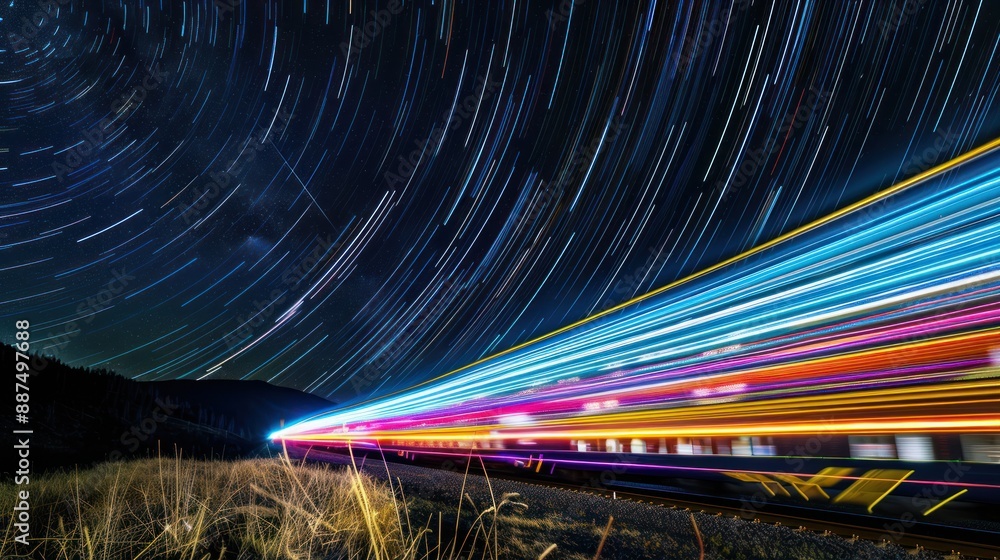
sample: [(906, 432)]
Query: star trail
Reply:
[(354, 197)]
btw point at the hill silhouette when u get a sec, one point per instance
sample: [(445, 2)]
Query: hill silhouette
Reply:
[(81, 416)]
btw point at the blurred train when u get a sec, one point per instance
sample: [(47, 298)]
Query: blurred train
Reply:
[(853, 361), (926, 477), (970, 448), (917, 449)]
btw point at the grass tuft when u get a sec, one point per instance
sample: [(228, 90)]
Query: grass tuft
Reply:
[(186, 509)]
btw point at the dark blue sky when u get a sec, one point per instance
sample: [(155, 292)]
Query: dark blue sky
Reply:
[(354, 198)]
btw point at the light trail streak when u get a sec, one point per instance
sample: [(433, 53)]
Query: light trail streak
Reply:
[(848, 325)]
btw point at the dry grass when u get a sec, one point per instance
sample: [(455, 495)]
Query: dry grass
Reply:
[(273, 509), (278, 509)]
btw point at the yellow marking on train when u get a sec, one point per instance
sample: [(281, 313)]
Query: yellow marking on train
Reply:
[(876, 482), (823, 479), (772, 486), (945, 501)]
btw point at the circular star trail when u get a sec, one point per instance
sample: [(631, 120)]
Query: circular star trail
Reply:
[(353, 197)]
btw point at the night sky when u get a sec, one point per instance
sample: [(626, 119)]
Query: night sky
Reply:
[(350, 197)]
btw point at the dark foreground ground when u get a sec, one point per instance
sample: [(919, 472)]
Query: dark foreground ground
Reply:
[(273, 509), (575, 522), (82, 417)]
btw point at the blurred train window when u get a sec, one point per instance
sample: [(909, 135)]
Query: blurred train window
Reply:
[(982, 448), (613, 446), (684, 447), (637, 446), (872, 447), (915, 448), (742, 446), (663, 446), (702, 446), (762, 446)]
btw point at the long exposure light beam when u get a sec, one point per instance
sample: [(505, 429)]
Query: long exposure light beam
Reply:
[(823, 316)]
